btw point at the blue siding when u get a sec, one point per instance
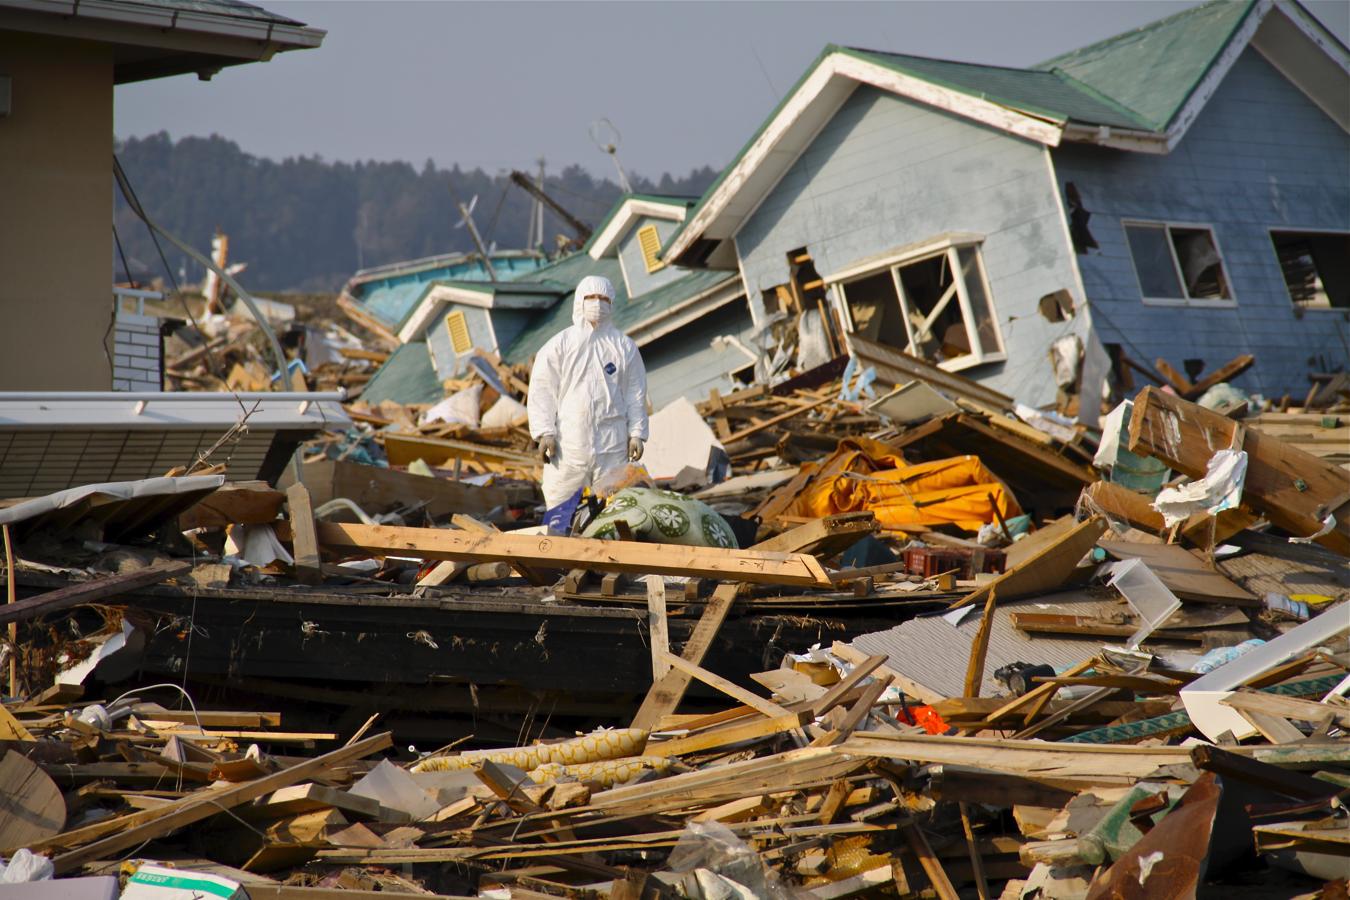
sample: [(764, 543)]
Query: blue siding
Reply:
[(686, 364), (639, 280), (885, 173), (1259, 156)]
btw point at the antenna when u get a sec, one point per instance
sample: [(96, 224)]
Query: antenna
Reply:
[(466, 219), (607, 138)]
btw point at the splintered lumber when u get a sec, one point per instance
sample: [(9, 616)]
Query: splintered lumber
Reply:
[(769, 423), (124, 832), (1122, 504), (571, 552), (658, 626), (92, 591), (1046, 570), (403, 449), (1294, 489), (733, 734), (665, 695), (978, 648), (932, 867), (234, 503)]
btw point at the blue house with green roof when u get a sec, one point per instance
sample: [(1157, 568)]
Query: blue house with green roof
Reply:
[(1181, 191), (693, 326)]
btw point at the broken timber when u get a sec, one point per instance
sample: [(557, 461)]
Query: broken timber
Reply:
[(570, 552), (1294, 489), (91, 591)]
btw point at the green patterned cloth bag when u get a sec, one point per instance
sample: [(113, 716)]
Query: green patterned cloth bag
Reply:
[(662, 517)]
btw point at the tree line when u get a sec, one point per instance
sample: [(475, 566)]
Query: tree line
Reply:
[(306, 224)]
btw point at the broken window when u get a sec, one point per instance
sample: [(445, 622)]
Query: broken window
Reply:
[(1177, 262), (936, 307), (1316, 267)]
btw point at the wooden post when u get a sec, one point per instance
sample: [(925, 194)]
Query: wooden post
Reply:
[(976, 863), (303, 538), (660, 633)]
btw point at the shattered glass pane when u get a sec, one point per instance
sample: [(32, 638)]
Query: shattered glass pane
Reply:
[(1153, 261)]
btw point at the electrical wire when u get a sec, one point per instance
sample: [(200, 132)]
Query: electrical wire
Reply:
[(164, 684)]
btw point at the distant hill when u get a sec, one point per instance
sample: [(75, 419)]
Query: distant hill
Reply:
[(304, 224)]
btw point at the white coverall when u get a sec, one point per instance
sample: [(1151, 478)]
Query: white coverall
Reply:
[(588, 388)]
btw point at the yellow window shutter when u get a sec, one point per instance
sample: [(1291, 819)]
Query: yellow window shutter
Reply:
[(458, 327), (650, 242)]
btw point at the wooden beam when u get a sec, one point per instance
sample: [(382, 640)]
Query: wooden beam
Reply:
[(1227, 372), (731, 689), (571, 552), (124, 832), (469, 523), (932, 867), (896, 368), (1294, 489), (665, 695), (91, 591), (721, 737), (303, 540), (1179, 381)]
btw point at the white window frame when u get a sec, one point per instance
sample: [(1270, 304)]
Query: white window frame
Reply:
[(1167, 226), (949, 248), (1270, 232)]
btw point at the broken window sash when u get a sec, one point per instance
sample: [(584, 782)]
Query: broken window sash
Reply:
[(1316, 267), (1177, 263), (936, 306)]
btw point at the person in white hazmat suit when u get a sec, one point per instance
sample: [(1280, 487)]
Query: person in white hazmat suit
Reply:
[(588, 396)]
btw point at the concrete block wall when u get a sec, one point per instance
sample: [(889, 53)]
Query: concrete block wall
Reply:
[(137, 353)]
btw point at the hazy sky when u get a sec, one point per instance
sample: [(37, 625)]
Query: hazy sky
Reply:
[(500, 84)]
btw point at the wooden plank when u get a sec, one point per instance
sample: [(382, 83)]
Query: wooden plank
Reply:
[(92, 591), (1287, 707), (124, 832), (303, 539), (31, 805), (1038, 695), (855, 715), (1051, 623), (978, 647), (976, 862), (379, 490), (810, 536), (932, 867), (304, 798), (403, 449), (1184, 573), (1122, 504), (1294, 489), (1227, 372), (469, 523), (896, 368), (1176, 379), (731, 689), (1042, 572), (11, 729), (734, 734), (665, 695), (658, 627), (571, 552)]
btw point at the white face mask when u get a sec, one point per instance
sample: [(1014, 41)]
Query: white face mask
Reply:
[(595, 311)]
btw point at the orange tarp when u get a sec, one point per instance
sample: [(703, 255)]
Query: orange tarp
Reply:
[(867, 475)]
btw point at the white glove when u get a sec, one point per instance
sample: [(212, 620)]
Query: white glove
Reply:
[(634, 449), (548, 448)]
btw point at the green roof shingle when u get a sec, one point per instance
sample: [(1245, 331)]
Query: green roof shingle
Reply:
[(1153, 70)]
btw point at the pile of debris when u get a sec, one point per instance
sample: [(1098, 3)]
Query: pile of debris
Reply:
[(925, 641)]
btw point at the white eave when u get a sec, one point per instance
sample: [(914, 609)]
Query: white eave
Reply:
[(802, 117), (438, 296), (606, 243)]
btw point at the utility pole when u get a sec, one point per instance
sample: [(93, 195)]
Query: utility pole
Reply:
[(522, 181)]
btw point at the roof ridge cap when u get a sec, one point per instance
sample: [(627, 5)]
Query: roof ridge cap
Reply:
[(1079, 85)]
